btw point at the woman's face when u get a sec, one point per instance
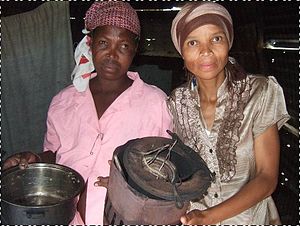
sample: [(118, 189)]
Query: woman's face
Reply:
[(113, 49), (205, 52)]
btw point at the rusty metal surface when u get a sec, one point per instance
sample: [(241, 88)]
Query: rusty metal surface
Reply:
[(125, 205), (192, 177), (152, 180)]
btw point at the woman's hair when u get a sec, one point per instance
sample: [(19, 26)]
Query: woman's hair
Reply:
[(237, 73), (239, 89)]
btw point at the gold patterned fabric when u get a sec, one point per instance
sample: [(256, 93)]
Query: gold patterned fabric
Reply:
[(228, 147)]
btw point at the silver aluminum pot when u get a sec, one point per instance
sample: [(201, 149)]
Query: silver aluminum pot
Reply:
[(40, 194)]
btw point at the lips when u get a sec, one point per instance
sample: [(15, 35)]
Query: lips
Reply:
[(110, 66), (207, 66)]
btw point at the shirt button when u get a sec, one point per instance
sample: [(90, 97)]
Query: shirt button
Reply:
[(216, 195), (211, 150), (91, 153), (101, 136), (213, 174)]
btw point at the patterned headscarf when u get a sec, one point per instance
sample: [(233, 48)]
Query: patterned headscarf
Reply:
[(114, 13), (194, 15)]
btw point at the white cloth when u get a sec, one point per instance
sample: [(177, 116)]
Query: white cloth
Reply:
[(84, 65)]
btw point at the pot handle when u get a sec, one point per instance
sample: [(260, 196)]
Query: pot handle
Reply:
[(35, 214)]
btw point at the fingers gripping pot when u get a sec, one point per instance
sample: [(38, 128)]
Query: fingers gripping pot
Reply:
[(39, 194), (152, 180)]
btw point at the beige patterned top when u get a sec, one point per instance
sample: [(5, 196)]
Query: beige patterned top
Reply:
[(228, 149)]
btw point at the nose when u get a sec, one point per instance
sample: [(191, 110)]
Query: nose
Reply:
[(112, 52), (205, 50)]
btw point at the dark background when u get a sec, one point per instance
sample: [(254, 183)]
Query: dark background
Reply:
[(254, 24)]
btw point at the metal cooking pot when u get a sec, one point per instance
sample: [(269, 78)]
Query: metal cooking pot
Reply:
[(40, 194)]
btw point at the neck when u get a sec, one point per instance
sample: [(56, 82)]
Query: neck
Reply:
[(99, 84), (208, 89)]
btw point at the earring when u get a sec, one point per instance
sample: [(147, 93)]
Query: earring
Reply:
[(193, 83)]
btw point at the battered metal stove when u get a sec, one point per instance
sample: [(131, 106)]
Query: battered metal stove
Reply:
[(152, 180)]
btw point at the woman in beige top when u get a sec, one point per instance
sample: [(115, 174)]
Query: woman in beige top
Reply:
[(229, 117)]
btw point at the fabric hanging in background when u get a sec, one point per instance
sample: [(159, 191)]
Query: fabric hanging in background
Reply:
[(37, 60)]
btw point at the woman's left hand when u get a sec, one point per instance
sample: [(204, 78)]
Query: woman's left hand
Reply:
[(197, 217), (102, 182)]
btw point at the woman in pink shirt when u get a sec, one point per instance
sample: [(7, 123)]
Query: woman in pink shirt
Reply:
[(101, 110)]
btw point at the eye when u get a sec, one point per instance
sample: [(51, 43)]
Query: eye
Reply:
[(102, 43), (217, 39), (124, 46), (192, 43)]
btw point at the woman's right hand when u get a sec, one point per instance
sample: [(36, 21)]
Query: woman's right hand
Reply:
[(22, 159)]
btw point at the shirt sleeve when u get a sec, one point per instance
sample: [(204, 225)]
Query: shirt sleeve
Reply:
[(166, 120), (272, 108), (51, 139)]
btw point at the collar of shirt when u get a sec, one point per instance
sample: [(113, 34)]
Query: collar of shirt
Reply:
[(129, 95)]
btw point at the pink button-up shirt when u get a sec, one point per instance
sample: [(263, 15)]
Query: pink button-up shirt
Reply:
[(86, 143)]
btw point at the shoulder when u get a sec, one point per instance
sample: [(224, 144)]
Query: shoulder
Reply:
[(263, 82), (268, 103), (64, 95), (154, 91), (66, 99), (265, 90), (144, 89), (179, 92)]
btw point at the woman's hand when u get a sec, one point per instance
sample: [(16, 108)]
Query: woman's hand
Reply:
[(197, 217), (266, 149), (102, 181), (22, 159)]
